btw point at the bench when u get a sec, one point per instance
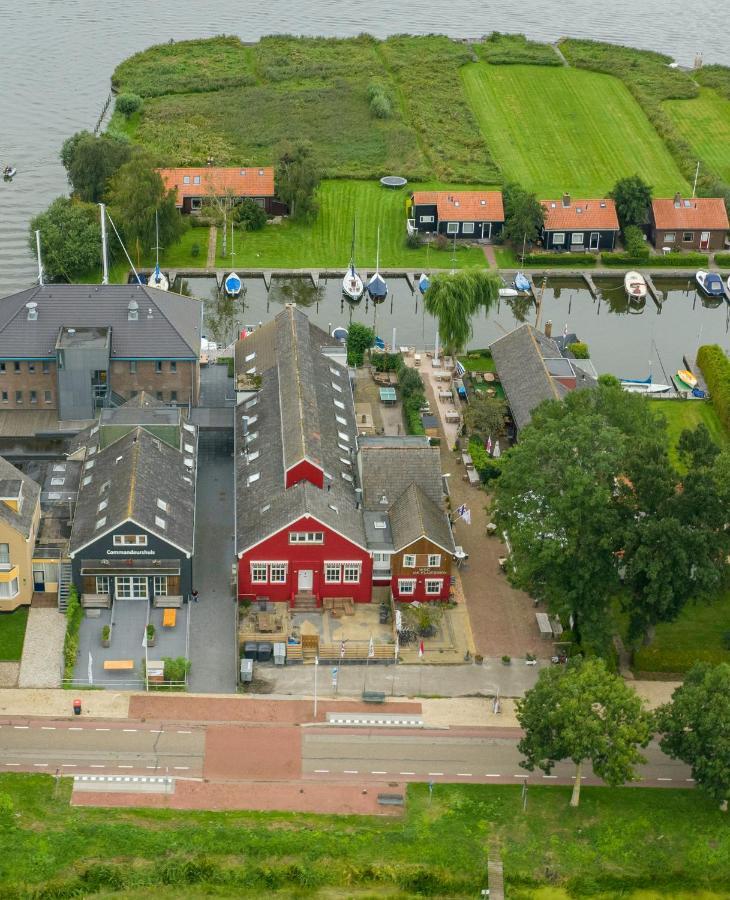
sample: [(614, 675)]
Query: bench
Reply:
[(96, 601), (169, 617), (391, 800), (373, 697), (118, 665)]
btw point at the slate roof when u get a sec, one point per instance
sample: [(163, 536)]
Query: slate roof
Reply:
[(14, 483), (293, 414), (388, 465), (698, 213), (414, 515), (463, 206), (131, 475), (599, 215), (169, 325), (239, 181)]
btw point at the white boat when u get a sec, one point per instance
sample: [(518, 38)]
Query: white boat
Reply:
[(9, 172), (508, 292), (638, 387), (635, 285), (710, 282), (232, 284), (158, 279), (352, 286)]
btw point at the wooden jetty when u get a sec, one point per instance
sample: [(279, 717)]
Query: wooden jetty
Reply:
[(588, 278), (411, 281), (267, 280), (657, 295), (315, 279)]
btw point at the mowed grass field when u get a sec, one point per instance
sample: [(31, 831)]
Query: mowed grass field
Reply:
[(558, 129), (327, 242), (12, 634), (688, 414), (705, 124)]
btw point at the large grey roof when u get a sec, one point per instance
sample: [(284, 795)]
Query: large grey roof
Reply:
[(389, 465), (414, 515), (295, 416), (169, 325), (131, 475), (16, 484)]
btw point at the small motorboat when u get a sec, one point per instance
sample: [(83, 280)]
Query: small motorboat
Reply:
[(635, 285), (232, 285), (340, 334), (522, 283), (508, 292), (379, 344), (686, 378), (645, 387), (710, 282), (159, 280), (423, 283), (9, 172)]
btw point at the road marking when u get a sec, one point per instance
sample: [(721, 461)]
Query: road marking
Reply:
[(464, 775), (102, 729), (689, 779), (48, 727), (664, 779), (40, 765), (12, 764), (184, 732), (97, 766), (549, 776), (75, 728), (321, 771), (350, 772), (155, 730), (525, 776), (435, 774), (129, 729), (378, 773), (407, 773), (181, 768), (23, 727), (150, 767), (125, 767), (68, 765), (492, 775)]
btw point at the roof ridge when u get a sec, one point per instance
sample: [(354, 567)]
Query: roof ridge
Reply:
[(148, 293), (133, 471), (531, 332)]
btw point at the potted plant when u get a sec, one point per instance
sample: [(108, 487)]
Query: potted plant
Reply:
[(478, 659), (506, 660), (106, 635), (150, 635)]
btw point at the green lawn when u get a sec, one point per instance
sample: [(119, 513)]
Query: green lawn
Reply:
[(507, 257), (478, 361), (617, 841), (327, 242), (681, 414), (705, 124), (12, 634), (558, 129)]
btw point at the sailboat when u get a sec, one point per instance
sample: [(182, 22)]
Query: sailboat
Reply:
[(377, 286), (158, 279), (232, 284), (352, 286)]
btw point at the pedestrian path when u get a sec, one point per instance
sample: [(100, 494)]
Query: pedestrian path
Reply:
[(212, 245), (42, 659)]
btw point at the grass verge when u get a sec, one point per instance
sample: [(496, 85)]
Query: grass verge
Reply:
[(12, 634), (617, 840), (557, 129)]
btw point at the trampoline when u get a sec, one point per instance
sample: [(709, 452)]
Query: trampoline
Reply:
[(393, 181)]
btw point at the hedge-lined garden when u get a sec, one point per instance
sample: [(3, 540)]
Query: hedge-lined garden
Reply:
[(715, 366)]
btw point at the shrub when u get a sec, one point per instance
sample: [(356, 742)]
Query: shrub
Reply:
[(579, 350), (106, 632), (513, 49), (715, 366), (441, 242), (634, 242), (385, 362), (559, 259), (249, 215), (381, 105), (74, 614), (176, 669), (414, 240), (359, 339), (229, 362), (128, 104), (625, 260), (722, 260), (195, 250), (150, 632)]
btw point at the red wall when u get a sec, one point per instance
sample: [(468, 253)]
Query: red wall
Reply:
[(305, 556), (305, 471)]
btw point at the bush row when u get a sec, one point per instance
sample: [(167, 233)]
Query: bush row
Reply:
[(514, 49), (560, 259), (688, 260), (74, 615), (723, 260), (413, 396), (715, 366)]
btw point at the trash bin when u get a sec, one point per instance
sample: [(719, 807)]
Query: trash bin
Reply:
[(249, 650), (264, 652), (246, 669), (279, 654), (77, 707)]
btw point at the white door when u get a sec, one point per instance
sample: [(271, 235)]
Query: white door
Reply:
[(594, 240), (705, 240), (306, 579)]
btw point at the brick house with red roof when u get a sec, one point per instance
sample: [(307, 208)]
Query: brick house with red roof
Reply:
[(473, 215), (193, 185), (579, 225), (697, 223)]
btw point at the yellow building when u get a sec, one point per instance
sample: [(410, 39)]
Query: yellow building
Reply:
[(20, 513)]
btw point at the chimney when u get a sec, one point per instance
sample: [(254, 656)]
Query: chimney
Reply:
[(244, 425), (548, 328), (132, 311), (358, 498), (32, 308), (677, 200), (566, 200)]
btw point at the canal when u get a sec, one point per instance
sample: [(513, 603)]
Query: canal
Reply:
[(622, 341)]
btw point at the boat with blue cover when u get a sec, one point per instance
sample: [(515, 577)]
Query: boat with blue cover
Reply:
[(711, 283), (522, 283)]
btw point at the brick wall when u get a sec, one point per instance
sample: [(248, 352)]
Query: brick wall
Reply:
[(29, 378), (142, 375)]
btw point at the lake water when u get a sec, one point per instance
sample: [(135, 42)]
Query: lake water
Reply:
[(625, 343), (58, 55)]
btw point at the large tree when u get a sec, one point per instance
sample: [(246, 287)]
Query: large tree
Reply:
[(586, 714), (696, 728), (70, 239), (523, 215), (136, 194), (297, 179), (454, 299), (633, 198), (91, 161), (485, 416)]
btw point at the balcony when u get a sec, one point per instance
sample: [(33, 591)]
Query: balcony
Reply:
[(8, 572)]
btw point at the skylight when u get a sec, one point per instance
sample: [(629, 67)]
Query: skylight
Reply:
[(336, 387), (189, 480), (189, 448), (54, 495), (249, 404), (265, 508), (117, 460), (100, 523), (60, 467), (251, 436), (87, 479), (341, 420), (190, 428), (160, 523), (250, 357), (58, 480), (105, 487), (188, 462), (102, 505), (94, 429), (252, 420), (380, 525), (345, 460), (342, 446), (343, 436), (254, 477), (339, 404), (92, 450), (161, 504), (333, 508), (90, 464), (347, 476), (253, 455), (335, 372)]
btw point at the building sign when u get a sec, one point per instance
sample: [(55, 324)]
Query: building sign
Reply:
[(129, 552)]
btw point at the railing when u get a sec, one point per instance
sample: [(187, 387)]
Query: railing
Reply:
[(47, 553)]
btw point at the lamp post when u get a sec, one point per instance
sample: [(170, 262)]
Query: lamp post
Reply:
[(316, 667)]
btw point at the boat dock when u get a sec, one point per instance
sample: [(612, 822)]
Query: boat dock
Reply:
[(690, 363), (588, 278), (656, 295)]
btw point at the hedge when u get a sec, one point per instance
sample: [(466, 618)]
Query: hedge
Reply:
[(560, 259), (722, 260), (715, 366), (688, 260), (672, 660), (74, 615)]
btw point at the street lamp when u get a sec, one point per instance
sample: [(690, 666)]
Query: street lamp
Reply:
[(316, 667)]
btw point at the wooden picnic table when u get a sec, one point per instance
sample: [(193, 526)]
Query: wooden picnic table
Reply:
[(266, 622), (543, 623)]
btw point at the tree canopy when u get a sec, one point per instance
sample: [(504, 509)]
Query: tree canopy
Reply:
[(586, 714), (136, 193), (696, 728), (485, 416), (90, 162), (633, 198), (454, 299), (359, 339), (297, 180), (70, 239), (523, 215)]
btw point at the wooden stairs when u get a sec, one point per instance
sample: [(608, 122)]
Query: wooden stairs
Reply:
[(305, 602)]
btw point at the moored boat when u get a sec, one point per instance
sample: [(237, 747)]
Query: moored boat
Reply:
[(508, 292), (522, 283), (645, 387), (423, 283), (158, 279), (635, 285), (232, 285), (352, 286), (9, 172), (340, 334), (710, 282), (377, 286), (687, 378)]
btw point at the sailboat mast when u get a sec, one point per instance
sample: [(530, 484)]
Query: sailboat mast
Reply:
[(104, 256), (38, 254)]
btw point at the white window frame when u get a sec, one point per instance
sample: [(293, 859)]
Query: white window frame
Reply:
[(407, 586), (452, 228), (102, 584), (688, 240), (259, 573), (437, 582), (332, 573), (670, 237), (9, 589), (126, 587), (381, 560), (278, 572), (559, 238), (434, 560), (351, 572), (130, 540), (160, 585), (577, 237), (467, 228), (426, 220), (409, 560), (196, 203), (306, 537)]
